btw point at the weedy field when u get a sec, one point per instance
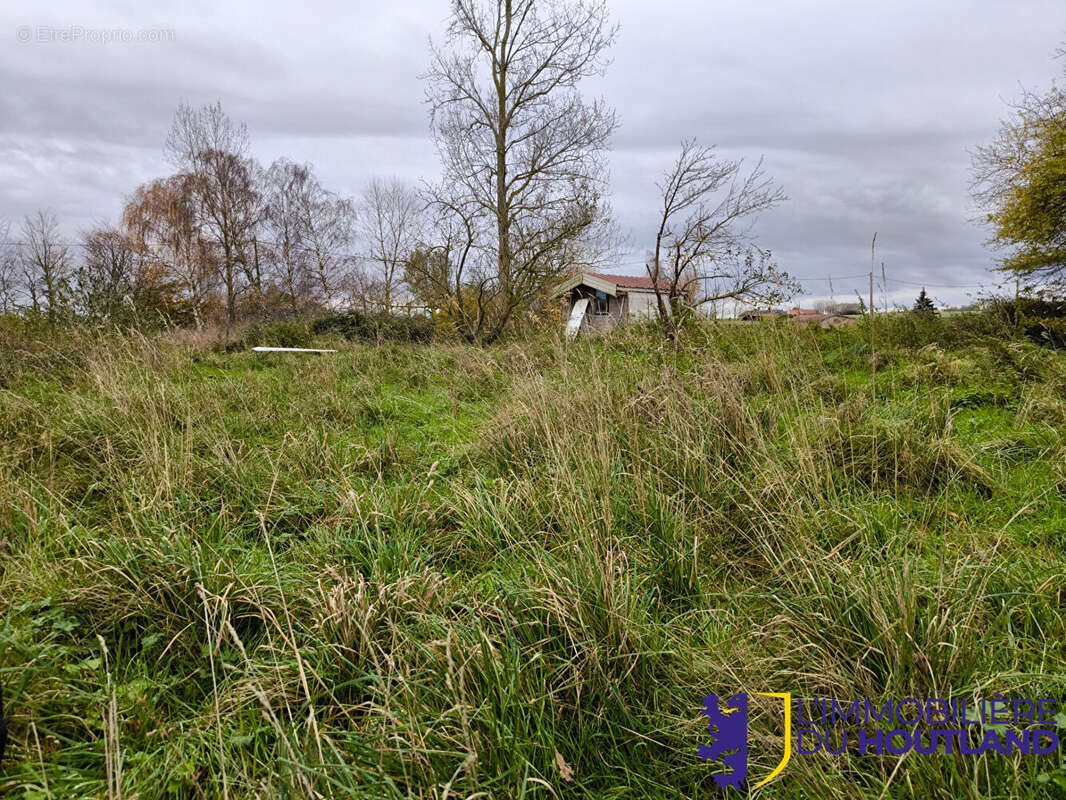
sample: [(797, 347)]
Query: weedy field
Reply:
[(444, 572)]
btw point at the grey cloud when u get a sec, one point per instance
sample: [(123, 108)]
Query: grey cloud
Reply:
[(864, 113)]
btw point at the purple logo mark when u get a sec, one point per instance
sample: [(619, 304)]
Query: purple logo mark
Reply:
[(729, 726)]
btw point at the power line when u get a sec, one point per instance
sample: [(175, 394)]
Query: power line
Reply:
[(830, 278), (939, 285)]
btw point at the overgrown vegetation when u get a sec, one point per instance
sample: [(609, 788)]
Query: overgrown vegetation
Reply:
[(411, 571), (1043, 321), (375, 327)]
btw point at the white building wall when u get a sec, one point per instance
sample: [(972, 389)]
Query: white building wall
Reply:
[(641, 304)]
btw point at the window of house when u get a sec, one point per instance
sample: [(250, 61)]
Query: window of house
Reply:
[(602, 305)]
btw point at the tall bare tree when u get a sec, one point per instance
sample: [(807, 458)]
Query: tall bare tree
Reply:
[(522, 150), (703, 252), (47, 267), (327, 220), (389, 214), (288, 252), (309, 232), (205, 144)]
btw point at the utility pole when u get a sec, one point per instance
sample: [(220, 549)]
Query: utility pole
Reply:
[(884, 286)]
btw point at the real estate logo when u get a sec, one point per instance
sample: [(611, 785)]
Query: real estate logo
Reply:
[(962, 726), (728, 725)]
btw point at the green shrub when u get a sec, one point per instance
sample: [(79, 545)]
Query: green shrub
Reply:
[(280, 334), (1041, 321), (375, 327), (287, 333), (1047, 331)]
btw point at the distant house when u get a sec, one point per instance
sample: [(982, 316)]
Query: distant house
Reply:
[(593, 301), (847, 309), (836, 314), (756, 315), (824, 320), (800, 316)]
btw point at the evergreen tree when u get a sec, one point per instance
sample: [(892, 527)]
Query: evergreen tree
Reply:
[(923, 305)]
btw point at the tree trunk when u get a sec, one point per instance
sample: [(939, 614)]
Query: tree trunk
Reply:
[(503, 222)]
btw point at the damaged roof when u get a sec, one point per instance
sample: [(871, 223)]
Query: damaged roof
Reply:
[(611, 283)]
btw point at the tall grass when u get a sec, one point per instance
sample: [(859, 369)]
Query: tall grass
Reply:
[(439, 572)]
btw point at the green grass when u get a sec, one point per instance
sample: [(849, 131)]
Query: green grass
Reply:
[(434, 571)]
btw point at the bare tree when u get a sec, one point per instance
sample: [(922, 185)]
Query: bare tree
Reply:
[(309, 234), (389, 227), (107, 276), (288, 251), (522, 150), (10, 280), (328, 223), (703, 252), (206, 145), (46, 265), (825, 306), (450, 275)]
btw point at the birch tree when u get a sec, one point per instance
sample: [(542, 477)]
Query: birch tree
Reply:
[(288, 252), (389, 214), (328, 228), (47, 268), (208, 147), (309, 232), (162, 225), (10, 280)]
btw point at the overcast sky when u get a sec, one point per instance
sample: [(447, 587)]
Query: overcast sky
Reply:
[(865, 112)]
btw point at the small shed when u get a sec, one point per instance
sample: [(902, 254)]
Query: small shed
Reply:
[(594, 301)]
